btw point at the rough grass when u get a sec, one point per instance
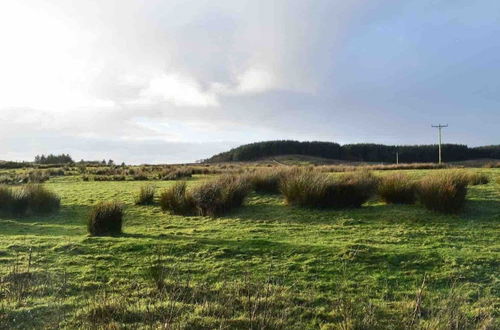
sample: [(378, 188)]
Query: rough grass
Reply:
[(176, 200), (307, 188), (397, 188), (265, 263), (146, 195), (217, 197), (31, 198), (444, 191), (105, 219), (268, 180)]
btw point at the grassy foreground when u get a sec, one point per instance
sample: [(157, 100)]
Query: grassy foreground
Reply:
[(265, 265)]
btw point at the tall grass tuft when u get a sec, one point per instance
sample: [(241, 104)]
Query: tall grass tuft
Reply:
[(177, 200), (212, 198), (397, 188), (5, 198), (105, 219), (354, 189), (474, 178), (146, 195), (443, 192), (218, 196), (31, 198), (268, 180), (319, 190)]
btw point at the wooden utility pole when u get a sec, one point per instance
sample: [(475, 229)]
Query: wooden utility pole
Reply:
[(439, 127)]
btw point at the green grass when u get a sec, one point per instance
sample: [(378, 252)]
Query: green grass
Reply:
[(340, 269)]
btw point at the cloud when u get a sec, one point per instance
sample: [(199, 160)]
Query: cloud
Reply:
[(227, 72), (178, 90)]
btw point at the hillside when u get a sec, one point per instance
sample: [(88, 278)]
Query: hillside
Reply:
[(363, 152)]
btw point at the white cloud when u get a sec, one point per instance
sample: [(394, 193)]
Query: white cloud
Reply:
[(178, 90)]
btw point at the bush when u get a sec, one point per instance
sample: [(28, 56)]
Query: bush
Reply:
[(443, 192), (177, 200), (146, 195), (105, 219), (216, 197), (397, 188), (314, 189)]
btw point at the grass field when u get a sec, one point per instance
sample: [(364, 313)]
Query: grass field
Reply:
[(265, 265)]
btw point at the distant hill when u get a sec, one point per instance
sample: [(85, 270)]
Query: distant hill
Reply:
[(364, 152)]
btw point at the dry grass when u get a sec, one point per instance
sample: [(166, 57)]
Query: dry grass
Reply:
[(318, 190), (146, 195), (397, 188), (105, 219), (443, 192)]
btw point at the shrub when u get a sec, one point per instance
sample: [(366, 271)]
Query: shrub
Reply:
[(397, 188), (105, 219), (177, 200), (216, 197), (146, 195), (314, 189), (443, 192)]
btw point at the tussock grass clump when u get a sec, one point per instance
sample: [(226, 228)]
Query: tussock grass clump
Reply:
[(319, 190), (443, 192), (397, 188), (105, 219), (177, 200), (32, 198), (146, 195), (267, 180), (5, 198), (354, 189), (40, 199), (216, 197), (474, 178), (212, 198), (307, 189)]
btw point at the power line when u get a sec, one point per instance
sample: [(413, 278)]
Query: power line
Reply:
[(439, 127)]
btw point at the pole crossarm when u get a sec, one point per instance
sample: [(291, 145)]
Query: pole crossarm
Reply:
[(439, 127)]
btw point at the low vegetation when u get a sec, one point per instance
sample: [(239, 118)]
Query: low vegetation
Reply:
[(397, 188), (28, 199), (444, 191), (212, 198), (268, 180), (146, 195), (330, 265), (314, 189), (105, 219), (176, 200)]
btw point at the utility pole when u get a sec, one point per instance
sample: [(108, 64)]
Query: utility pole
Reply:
[(439, 127), (397, 157)]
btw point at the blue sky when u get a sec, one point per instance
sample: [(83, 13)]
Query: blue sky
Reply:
[(176, 81)]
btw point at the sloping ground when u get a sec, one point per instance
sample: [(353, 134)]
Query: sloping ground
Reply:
[(265, 265)]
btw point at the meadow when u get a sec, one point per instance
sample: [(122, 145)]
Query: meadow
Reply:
[(265, 265)]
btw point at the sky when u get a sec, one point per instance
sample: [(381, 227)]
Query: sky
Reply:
[(162, 81)]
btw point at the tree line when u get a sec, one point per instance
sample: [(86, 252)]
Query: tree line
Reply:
[(53, 159), (368, 152)]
